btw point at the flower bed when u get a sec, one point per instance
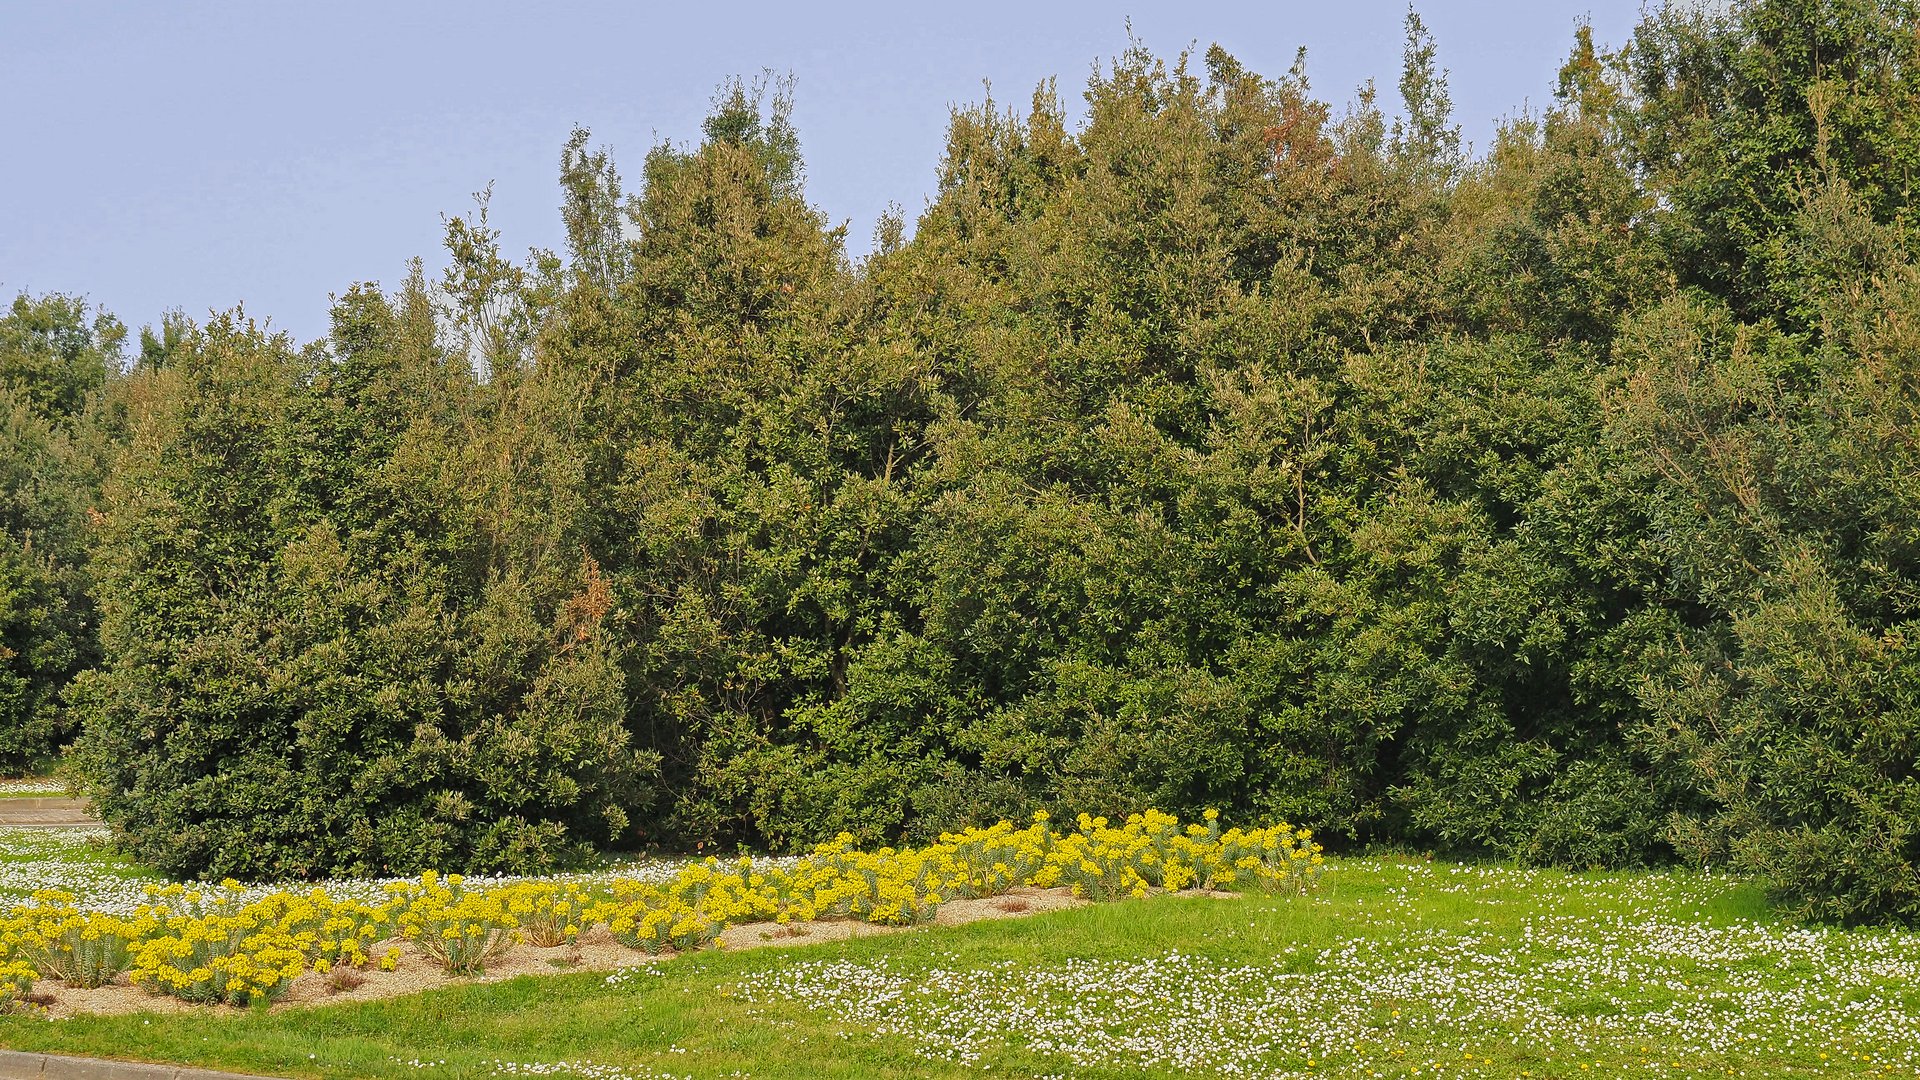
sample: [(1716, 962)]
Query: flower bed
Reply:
[(233, 945)]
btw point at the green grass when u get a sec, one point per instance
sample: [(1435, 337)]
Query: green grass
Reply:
[(34, 859), (1393, 969)]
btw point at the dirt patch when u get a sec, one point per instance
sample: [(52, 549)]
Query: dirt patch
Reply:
[(760, 935), (416, 972), (1017, 904), (595, 951), (113, 999)]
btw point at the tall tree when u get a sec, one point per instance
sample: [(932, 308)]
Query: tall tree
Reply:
[(56, 356)]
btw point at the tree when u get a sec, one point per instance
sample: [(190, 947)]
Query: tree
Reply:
[(55, 359), (347, 630)]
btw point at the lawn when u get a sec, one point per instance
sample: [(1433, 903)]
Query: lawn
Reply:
[(1393, 968), (73, 860)]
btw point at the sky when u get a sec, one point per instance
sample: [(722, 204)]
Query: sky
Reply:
[(198, 156)]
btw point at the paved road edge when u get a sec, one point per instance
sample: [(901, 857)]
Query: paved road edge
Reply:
[(15, 1065), (33, 812)]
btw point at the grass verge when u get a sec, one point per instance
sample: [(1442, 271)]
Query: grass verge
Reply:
[(1393, 969)]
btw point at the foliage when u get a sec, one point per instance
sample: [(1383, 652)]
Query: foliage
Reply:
[(1212, 448), (55, 362), (59, 941), (53, 357), (344, 634), (16, 983), (1739, 113)]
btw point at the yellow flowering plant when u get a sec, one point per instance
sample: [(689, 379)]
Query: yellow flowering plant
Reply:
[(215, 947), (214, 944), (85, 949), (16, 983), (458, 929), (994, 860), (548, 914)]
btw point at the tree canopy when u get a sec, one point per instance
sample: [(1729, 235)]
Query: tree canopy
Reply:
[(1205, 445)]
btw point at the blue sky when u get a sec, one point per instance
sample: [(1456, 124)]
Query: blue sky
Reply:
[(202, 155)]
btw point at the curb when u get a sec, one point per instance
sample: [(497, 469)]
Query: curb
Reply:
[(18, 1066)]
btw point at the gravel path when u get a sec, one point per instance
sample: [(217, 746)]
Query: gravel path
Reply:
[(51, 812)]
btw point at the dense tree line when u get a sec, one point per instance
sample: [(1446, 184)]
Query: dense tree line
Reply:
[(1213, 447)]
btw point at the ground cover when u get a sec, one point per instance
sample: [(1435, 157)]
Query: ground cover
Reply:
[(31, 787), (1392, 968), (73, 860), (79, 862)]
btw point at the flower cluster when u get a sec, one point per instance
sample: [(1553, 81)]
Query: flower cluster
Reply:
[(60, 941), (1152, 851), (16, 982), (1100, 861), (215, 946), (460, 929), (550, 913), (237, 945)]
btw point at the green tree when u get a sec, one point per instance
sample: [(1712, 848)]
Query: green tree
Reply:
[(56, 357), (1734, 110), (348, 627)]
